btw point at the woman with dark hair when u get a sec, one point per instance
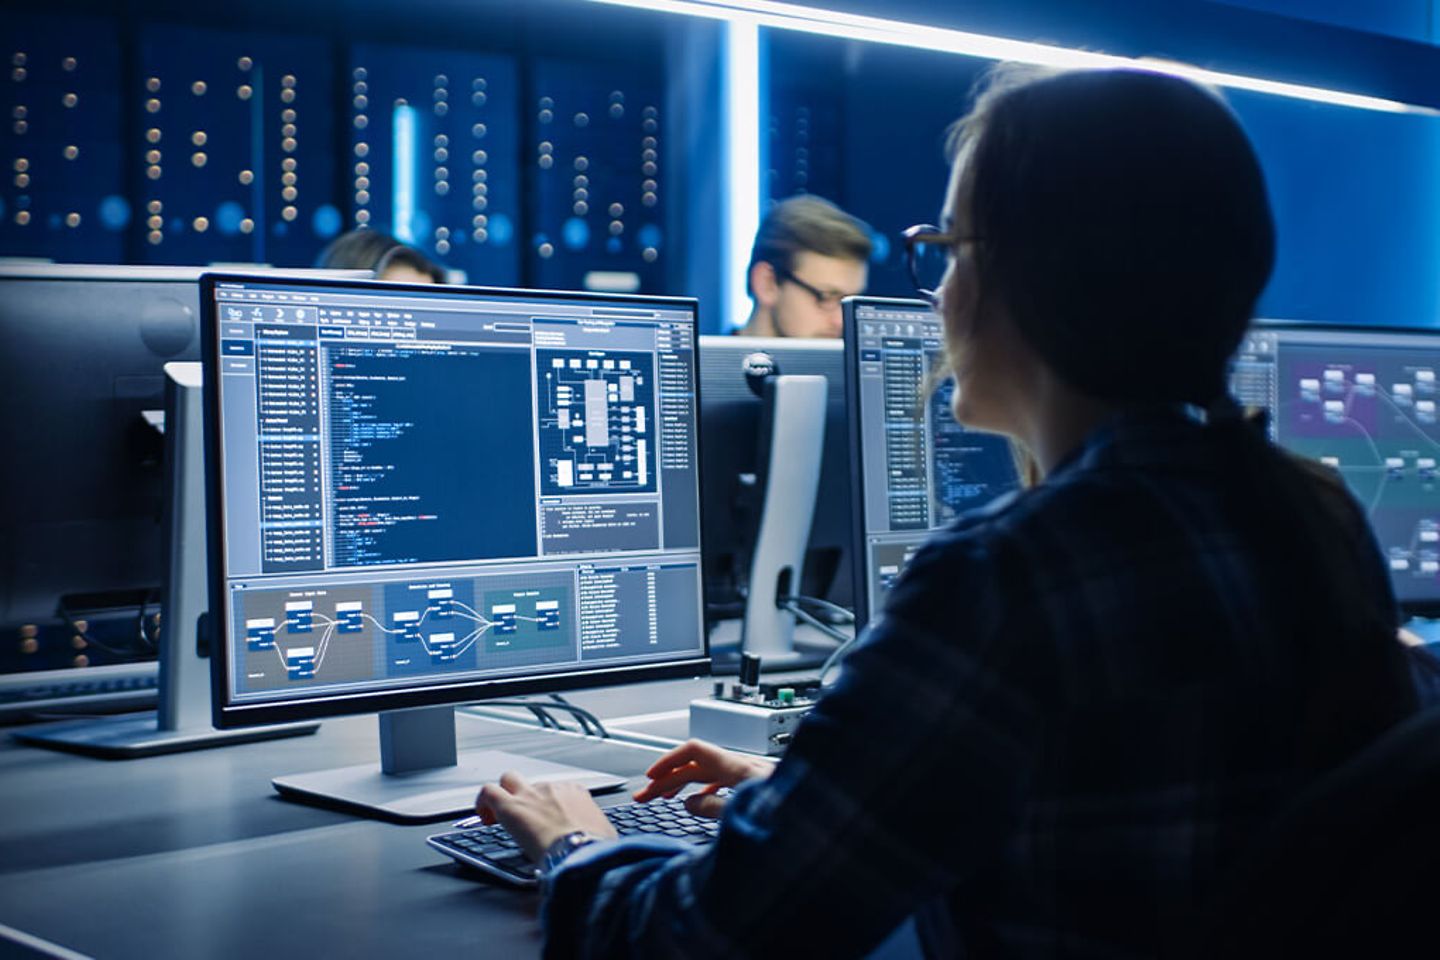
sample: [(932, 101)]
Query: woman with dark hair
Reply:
[(387, 257), (1084, 703)]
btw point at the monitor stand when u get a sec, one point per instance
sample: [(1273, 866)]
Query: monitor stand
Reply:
[(794, 418), (420, 777), (183, 719)]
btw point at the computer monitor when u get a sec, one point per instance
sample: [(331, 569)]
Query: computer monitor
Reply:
[(82, 349), (734, 455), (1363, 400), (422, 496), (914, 469), (182, 718)]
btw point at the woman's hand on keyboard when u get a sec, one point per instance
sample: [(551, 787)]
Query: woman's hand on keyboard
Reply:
[(696, 761), (539, 814)]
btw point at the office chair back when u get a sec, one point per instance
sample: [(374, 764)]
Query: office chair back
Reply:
[(1351, 869)]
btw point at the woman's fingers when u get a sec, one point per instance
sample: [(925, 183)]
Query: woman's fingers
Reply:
[(705, 804), (493, 798), (669, 782), (691, 751), (513, 783)]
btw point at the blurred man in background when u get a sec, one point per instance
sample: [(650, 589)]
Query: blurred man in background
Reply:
[(808, 255)]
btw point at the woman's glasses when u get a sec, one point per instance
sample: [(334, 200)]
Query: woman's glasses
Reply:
[(928, 250)]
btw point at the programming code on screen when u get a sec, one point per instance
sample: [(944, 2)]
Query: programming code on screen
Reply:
[(920, 468), (425, 487)]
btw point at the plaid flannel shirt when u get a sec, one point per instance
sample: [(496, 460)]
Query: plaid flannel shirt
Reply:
[(1077, 708)]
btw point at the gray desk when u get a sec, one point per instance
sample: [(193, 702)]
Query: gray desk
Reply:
[(193, 855)]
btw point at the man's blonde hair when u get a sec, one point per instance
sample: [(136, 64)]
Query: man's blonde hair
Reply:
[(808, 223)]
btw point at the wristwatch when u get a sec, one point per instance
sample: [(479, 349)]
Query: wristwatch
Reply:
[(565, 846)]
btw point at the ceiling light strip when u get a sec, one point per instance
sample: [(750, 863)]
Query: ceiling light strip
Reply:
[(786, 16)]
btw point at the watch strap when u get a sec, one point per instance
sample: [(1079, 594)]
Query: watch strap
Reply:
[(564, 846)]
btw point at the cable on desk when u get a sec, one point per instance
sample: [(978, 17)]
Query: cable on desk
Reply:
[(585, 718), (839, 613), (543, 718), (792, 604), (581, 715), (539, 710), (816, 622), (835, 657)]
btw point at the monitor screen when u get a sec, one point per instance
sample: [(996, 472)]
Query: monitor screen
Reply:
[(425, 495), (914, 469), (1362, 400)]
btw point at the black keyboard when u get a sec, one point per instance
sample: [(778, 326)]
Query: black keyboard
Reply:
[(491, 850)]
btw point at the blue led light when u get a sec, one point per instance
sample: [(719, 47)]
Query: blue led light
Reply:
[(228, 216), (879, 248), (502, 230), (114, 212), (650, 236), (576, 233), (325, 221)]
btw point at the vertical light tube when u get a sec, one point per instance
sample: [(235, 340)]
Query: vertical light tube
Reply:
[(742, 166), (404, 126)]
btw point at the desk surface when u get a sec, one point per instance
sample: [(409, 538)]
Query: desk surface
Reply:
[(194, 854)]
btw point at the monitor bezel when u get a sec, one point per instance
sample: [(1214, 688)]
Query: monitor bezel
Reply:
[(860, 558), (227, 714), (1428, 609)]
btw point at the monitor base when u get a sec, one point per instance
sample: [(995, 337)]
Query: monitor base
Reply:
[(139, 735), (426, 795)]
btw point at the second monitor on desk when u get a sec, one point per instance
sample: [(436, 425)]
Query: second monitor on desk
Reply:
[(737, 433), (421, 496), (1362, 400)]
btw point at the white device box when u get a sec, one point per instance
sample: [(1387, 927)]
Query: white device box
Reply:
[(753, 726)]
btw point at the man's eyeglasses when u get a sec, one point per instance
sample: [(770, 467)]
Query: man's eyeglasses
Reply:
[(824, 299), (928, 250)]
